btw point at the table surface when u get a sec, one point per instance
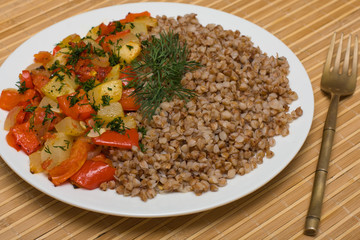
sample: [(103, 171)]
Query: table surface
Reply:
[(275, 211)]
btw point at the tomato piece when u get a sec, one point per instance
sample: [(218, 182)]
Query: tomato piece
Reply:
[(132, 16), (92, 174), (81, 110), (25, 77), (127, 101), (78, 154), (25, 137), (42, 57), (115, 139)]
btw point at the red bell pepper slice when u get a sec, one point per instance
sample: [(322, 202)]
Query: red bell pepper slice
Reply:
[(10, 98), (81, 110), (132, 16), (25, 137), (115, 139), (92, 174), (70, 166), (127, 101)]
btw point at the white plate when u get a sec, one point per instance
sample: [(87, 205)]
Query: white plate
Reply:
[(164, 204)]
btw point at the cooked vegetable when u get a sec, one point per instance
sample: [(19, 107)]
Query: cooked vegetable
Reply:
[(114, 74), (76, 105), (92, 174), (70, 127), (46, 101), (11, 118), (25, 79), (129, 122), (112, 91), (10, 98), (128, 100), (25, 137), (35, 162), (110, 112), (131, 17), (56, 150), (72, 164), (57, 87), (115, 139)]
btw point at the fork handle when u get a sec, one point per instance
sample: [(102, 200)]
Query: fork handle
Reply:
[(317, 195)]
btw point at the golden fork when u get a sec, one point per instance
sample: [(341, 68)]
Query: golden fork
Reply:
[(337, 83)]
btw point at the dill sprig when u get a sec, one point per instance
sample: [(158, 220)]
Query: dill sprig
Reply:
[(158, 72)]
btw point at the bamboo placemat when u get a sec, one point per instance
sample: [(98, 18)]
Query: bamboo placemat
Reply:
[(275, 211)]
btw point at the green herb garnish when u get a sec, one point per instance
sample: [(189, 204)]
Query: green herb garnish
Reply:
[(158, 72), (29, 108), (47, 149), (48, 112), (21, 87), (106, 100), (117, 125), (98, 124)]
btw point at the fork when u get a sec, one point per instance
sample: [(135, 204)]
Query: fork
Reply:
[(337, 83)]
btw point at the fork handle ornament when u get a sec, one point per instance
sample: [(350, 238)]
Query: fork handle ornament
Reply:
[(317, 195)]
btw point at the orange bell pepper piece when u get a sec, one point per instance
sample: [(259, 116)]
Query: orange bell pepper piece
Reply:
[(70, 166)]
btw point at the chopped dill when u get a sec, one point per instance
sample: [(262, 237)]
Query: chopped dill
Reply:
[(21, 87), (117, 125), (158, 72), (106, 100), (29, 108)]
